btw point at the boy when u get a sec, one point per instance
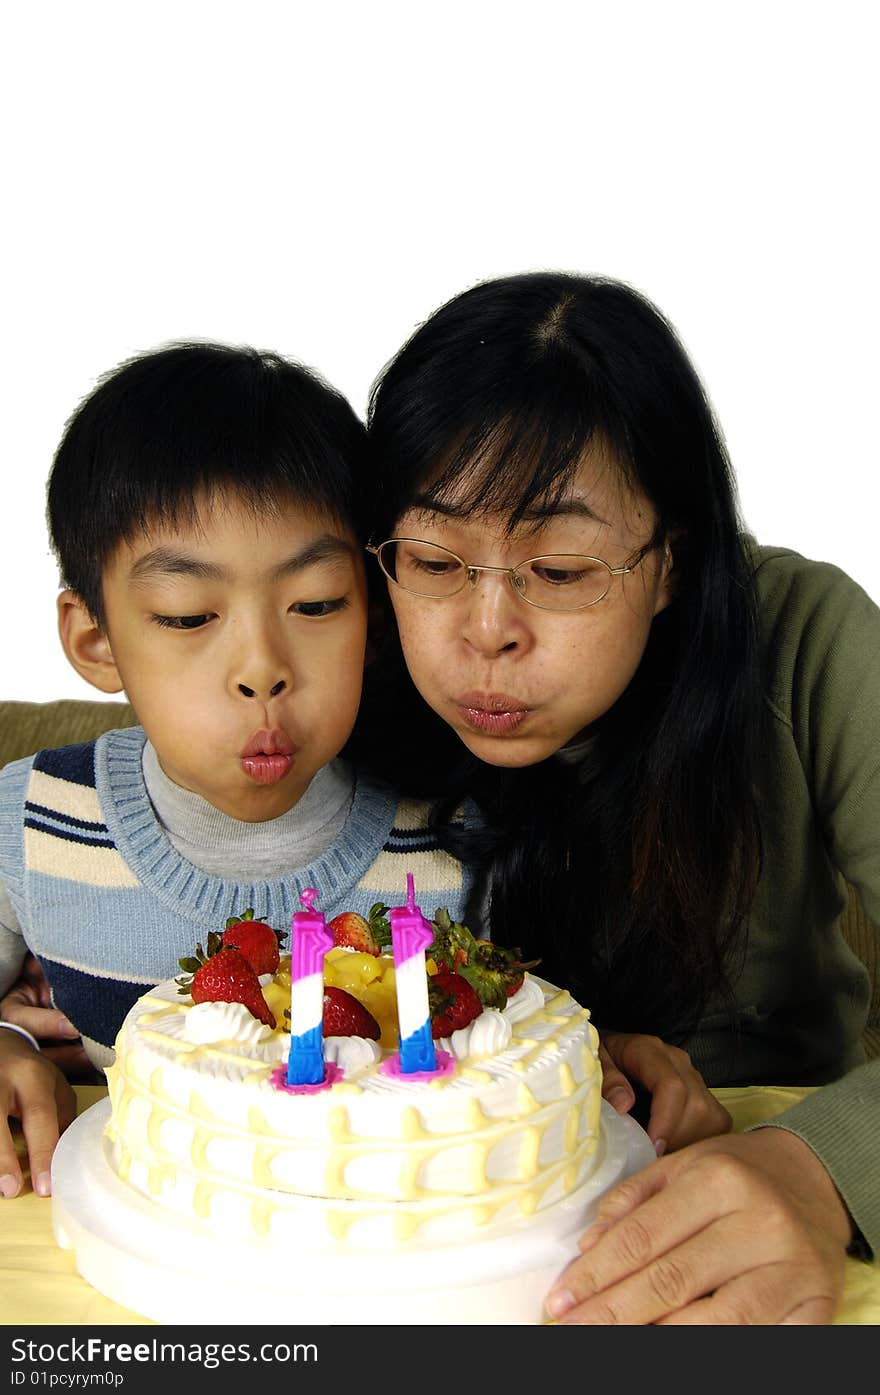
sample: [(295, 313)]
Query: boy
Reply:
[(204, 506)]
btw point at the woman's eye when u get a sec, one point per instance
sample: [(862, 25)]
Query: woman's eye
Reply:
[(181, 622), (433, 566), (315, 609), (559, 576)]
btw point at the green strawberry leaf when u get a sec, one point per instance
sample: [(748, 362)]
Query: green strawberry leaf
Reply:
[(236, 919), (489, 985), (380, 925)]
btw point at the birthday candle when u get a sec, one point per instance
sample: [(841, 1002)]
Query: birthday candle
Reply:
[(309, 941), (410, 936)]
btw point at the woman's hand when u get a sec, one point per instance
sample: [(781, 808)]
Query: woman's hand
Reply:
[(33, 1090), (746, 1229), (28, 1004), (683, 1109)]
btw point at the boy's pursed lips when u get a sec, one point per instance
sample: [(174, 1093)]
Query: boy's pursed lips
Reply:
[(269, 741), (268, 756)]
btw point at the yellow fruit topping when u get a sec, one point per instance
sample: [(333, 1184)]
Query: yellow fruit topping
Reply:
[(277, 996), (350, 969), (368, 977)]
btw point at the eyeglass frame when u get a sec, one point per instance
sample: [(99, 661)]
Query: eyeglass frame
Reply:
[(513, 575)]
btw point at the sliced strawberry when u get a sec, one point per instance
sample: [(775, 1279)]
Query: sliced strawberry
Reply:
[(258, 942), (344, 1016), (453, 1003), (226, 977)]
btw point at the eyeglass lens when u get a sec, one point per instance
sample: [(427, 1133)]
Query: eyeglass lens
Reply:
[(559, 582)]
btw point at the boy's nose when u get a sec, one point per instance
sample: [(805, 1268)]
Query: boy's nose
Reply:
[(261, 668), (273, 691)]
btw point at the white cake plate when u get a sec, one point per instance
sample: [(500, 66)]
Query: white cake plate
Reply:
[(175, 1271)]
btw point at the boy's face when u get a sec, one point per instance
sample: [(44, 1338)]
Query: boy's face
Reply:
[(240, 645)]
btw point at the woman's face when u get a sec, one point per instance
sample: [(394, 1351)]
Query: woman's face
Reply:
[(515, 682)]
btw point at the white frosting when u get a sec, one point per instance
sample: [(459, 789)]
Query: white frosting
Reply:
[(528, 999), (487, 1035), (352, 1054), (208, 1023)]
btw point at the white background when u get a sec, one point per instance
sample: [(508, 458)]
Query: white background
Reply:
[(317, 178)]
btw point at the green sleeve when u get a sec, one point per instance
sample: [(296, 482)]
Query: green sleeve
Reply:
[(841, 1123), (827, 636)]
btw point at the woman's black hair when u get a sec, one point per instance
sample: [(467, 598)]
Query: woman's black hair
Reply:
[(189, 418), (630, 872)]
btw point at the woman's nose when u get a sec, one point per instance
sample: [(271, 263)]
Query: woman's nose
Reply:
[(495, 619)]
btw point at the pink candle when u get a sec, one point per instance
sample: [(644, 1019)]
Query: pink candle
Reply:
[(411, 935), (309, 941)]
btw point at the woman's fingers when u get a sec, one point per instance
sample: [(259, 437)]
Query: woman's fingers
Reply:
[(713, 1234), (683, 1109), (616, 1089), (771, 1294)]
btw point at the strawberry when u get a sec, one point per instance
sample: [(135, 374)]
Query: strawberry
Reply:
[(453, 1003), (224, 976), (256, 940), (344, 1016), (353, 931), (493, 971)]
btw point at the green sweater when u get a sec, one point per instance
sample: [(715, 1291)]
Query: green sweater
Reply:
[(802, 995)]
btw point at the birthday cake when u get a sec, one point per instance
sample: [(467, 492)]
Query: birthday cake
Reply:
[(506, 1126), (462, 1186)]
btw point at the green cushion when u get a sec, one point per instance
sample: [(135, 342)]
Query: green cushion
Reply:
[(26, 727)]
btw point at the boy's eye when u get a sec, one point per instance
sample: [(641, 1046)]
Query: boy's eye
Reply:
[(315, 609), (181, 622)]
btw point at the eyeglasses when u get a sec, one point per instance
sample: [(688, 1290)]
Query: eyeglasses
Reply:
[(557, 582)]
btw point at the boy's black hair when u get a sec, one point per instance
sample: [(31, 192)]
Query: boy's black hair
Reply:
[(189, 418)]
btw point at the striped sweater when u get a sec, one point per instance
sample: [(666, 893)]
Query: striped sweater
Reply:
[(108, 905)]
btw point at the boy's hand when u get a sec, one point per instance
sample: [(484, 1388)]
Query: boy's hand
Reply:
[(682, 1108), (743, 1230), (28, 1004), (33, 1090)]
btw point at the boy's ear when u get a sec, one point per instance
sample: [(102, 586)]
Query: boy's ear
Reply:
[(86, 644)]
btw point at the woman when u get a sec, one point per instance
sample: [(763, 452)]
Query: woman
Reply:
[(670, 733)]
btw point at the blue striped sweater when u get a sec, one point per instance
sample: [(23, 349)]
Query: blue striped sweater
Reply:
[(109, 906)]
